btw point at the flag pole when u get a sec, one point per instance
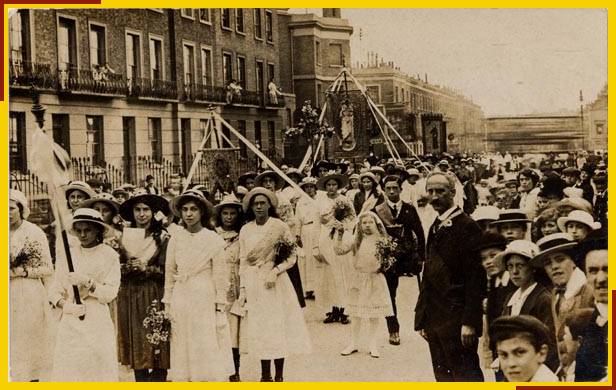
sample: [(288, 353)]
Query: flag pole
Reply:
[(39, 114)]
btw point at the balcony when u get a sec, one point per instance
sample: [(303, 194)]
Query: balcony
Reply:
[(102, 82), (28, 74), (204, 93), (152, 89)]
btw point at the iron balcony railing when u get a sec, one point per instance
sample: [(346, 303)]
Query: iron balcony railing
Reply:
[(91, 81), (27, 74), (153, 89)]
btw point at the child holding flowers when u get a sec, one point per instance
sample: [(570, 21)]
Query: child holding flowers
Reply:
[(368, 297)]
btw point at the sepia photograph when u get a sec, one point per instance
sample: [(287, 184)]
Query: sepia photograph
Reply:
[(307, 194)]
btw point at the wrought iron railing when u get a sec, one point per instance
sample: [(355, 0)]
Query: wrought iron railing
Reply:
[(27, 74), (153, 89), (92, 81), (85, 169)]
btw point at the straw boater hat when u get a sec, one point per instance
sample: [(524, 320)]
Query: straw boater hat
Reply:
[(377, 169), (88, 215), (191, 194), (155, 202), (308, 181), (20, 198), (78, 186), (511, 215), (552, 243), (259, 191), (523, 248), (105, 198), (342, 180), (279, 180), (486, 213), (228, 201), (248, 175), (578, 216)]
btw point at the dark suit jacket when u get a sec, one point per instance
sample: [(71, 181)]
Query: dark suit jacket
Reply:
[(591, 358), (406, 229), (360, 198), (454, 282)]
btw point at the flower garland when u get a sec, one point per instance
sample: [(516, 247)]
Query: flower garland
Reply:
[(158, 326), (386, 250)]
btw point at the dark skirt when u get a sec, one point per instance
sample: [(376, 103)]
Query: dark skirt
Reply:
[(134, 298)]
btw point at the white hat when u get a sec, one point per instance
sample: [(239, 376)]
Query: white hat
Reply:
[(483, 213), (228, 200), (524, 248), (88, 215), (413, 172), (20, 198), (573, 192), (578, 216)]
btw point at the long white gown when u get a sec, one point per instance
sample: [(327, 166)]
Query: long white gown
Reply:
[(31, 319), (86, 351), (196, 278), (275, 324)]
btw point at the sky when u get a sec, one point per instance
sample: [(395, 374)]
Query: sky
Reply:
[(509, 61)]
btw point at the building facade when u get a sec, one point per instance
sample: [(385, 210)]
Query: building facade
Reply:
[(595, 122), (122, 85)]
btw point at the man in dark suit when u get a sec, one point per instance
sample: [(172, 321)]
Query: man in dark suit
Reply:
[(449, 308), (403, 225)]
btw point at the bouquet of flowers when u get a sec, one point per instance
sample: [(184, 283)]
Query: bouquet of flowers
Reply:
[(309, 125), (157, 324), (30, 255), (283, 248), (386, 250), (342, 210)]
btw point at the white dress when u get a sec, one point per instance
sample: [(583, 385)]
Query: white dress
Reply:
[(275, 324), (333, 281), (85, 351), (30, 313), (196, 279), (308, 219)]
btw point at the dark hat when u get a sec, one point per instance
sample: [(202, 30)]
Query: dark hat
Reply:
[(148, 177), (505, 327), (571, 171), (295, 172), (588, 168), (155, 202), (342, 180), (595, 240), (279, 180), (94, 182), (398, 170), (491, 240), (511, 215), (243, 178), (600, 177), (552, 185), (557, 242)]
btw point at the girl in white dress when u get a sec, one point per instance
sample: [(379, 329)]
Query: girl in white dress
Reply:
[(368, 294), (30, 313), (85, 349), (275, 325), (196, 285)]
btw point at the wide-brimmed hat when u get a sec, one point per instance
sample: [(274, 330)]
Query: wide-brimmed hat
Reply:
[(595, 240), (550, 244), (88, 215), (120, 190), (552, 185), (308, 181), (128, 186), (486, 213), (78, 186), (354, 176), (191, 194), (571, 171), (295, 172), (398, 170), (578, 216), (322, 164), (228, 201), (155, 202), (105, 198), (490, 240), (413, 172), (511, 215), (241, 180), (241, 190), (279, 180), (524, 248), (370, 176), (20, 198), (378, 169), (575, 204), (259, 191), (341, 179)]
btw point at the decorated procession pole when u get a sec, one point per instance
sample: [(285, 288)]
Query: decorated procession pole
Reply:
[(199, 155), (52, 164)]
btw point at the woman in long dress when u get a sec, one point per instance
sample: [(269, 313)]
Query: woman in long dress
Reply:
[(196, 286), (85, 349), (275, 325), (332, 291), (229, 220), (143, 276), (30, 262)]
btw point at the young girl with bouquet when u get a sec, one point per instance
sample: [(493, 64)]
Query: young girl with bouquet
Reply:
[(368, 297)]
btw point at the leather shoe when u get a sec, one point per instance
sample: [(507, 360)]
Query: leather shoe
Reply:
[(348, 350), (331, 317), (344, 319), (374, 352)]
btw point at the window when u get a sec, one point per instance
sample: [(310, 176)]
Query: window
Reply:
[(270, 72), (373, 92), (241, 71), (206, 66), (225, 18), (95, 141), (98, 52), (156, 138), (258, 140), (227, 133), (317, 52), (258, 24), (156, 59), (19, 36), (269, 26), (61, 131), (395, 94), (239, 20), (336, 55), (133, 56), (241, 127), (227, 67), (205, 16), (67, 46), (271, 135), (188, 13), (259, 78), (189, 64), (318, 97), (599, 128), (17, 141), (402, 95)]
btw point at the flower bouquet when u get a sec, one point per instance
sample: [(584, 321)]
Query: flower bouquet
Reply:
[(341, 210), (386, 250), (30, 255), (158, 326), (283, 248)]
